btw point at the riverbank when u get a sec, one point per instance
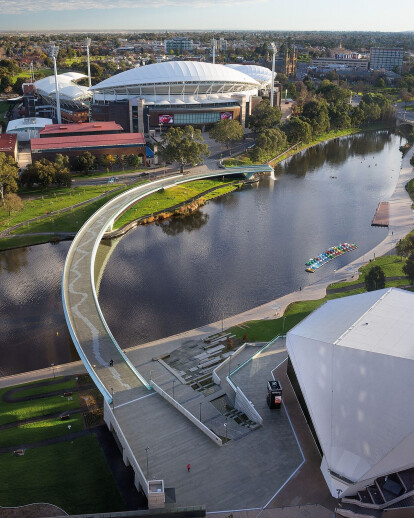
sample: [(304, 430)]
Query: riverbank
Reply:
[(244, 159)]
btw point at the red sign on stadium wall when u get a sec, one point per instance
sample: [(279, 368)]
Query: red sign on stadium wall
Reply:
[(226, 115), (165, 119)]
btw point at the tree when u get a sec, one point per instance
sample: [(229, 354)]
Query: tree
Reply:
[(12, 202), (109, 161), (408, 268), (375, 279), (226, 132), (264, 116), (9, 173), (316, 112), (185, 146), (134, 160), (84, 162), (298, 130), (268, 144)]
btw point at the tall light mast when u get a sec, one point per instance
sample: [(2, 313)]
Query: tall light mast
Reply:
[(87, 45), (213, 41), (54, 51), (272, 86)]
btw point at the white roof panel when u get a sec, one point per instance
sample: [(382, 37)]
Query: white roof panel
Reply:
[(176, 71), (353, 358), (261, 74)]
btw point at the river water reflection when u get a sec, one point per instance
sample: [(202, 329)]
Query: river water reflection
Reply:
[(239, 251)]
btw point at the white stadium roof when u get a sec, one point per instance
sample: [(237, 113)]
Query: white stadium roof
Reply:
[(261, 74), (68, 89), (353, 359), (177, 72)]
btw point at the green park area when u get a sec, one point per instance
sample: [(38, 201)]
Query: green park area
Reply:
[(36, 204), (56, 467), (265, 330), (167, 198)]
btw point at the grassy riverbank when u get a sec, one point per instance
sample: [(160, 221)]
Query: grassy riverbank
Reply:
[(36, 204), (265, 330), (164, 199), (244, 159)]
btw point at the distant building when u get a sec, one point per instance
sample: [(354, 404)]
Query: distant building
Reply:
[(340, 62), (390, 59), (286, 59), (27, 128), (8, 145), (178, 45), (124, 144)]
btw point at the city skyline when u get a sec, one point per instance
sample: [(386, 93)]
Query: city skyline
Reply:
[(203, 15)]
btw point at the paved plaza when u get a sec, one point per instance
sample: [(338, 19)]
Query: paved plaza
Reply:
[(245, 472)]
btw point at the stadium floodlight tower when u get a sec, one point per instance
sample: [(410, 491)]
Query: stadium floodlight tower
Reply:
[(272, 86), (87, 44), (54, 51)]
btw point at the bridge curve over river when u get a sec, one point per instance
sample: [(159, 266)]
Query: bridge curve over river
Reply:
[(89, 331)]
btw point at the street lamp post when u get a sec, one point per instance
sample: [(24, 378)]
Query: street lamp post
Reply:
[(173, 387), (53, 369), (200, 410), (54, 51), (87, 45), (113, 405), (272, 86), (225, 426)]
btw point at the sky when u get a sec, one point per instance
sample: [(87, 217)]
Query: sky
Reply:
[(298, 15)]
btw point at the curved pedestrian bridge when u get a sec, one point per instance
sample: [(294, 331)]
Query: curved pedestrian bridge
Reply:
[(90, 333), (161, 434)]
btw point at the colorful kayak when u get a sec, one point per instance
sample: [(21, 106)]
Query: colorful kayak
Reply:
[(323, 258)]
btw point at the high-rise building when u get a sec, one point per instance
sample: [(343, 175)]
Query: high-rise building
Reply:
[(386, 58), (178, 44)]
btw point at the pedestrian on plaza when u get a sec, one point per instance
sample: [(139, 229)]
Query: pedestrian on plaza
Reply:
[(111, 362), (188, 467)]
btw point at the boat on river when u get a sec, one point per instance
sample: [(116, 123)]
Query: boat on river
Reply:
[(329, 254)]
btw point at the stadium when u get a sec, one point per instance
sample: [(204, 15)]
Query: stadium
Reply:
[(40, 97), (177, 93)]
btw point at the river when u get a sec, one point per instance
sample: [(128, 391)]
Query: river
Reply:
[(235, 253)]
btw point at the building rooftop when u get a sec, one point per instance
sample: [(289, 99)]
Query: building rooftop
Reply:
[(87, 141), (7, 142), (82, 127)]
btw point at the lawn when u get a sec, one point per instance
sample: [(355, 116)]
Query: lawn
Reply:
[(167, 198), (70, 221), (39, 431), (72, 475), (265, 330), (390, 264), (34, 389), (50, 202), (18, 411)]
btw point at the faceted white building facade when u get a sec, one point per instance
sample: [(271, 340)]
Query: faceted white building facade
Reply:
[(353, 358)]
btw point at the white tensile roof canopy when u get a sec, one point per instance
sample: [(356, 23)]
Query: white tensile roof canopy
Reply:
[(353, 359), (177, 71)]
